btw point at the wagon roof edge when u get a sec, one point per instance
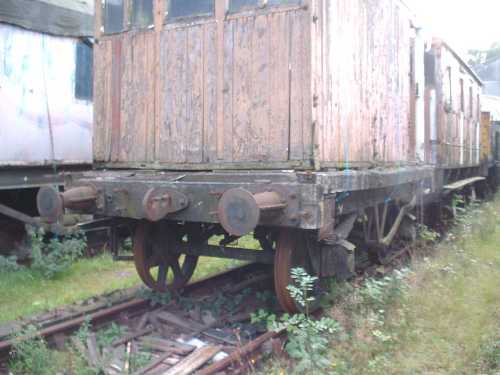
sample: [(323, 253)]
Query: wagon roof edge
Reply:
[(441, 42), (66, 18)]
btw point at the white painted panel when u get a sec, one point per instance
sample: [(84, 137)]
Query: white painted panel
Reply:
[(37, 78)]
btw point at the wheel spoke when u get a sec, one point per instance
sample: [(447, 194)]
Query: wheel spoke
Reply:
[(178, 275), (162, 275), (154, 257)]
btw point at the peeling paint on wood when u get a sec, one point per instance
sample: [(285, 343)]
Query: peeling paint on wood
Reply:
[(456, 109), (318, 84)]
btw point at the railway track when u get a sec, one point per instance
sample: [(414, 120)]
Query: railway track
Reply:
[(203, 330)]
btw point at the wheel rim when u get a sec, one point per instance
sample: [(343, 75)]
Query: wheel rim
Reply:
[(160, 269), (291, 252)]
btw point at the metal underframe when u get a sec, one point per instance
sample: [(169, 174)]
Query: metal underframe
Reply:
[(121, 193)]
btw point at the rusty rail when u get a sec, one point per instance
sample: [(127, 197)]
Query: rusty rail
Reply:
[(110, 313)]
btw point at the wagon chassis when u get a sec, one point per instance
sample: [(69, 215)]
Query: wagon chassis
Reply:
[(299, 218)]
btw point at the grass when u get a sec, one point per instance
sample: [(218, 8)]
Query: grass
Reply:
[(24, 292), (449, 314), (441, 316)]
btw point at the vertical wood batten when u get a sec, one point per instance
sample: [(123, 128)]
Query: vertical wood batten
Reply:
[(194, 95), (260, 95), (220, 15), (280, 84), (243, 140)]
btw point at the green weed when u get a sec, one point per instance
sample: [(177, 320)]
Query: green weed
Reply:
[(32, 356), (308, 339), (9, 264), (52, 258)]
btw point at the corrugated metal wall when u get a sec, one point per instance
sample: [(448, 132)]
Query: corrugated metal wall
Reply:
[(37, 82)]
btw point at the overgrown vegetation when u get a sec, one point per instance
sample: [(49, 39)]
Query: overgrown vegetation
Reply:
[(25, 292), (308, 342), (31, 356), (439, 316), (55, 256), (9, 264)]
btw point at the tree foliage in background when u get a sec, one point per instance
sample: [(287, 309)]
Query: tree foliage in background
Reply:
[(479, 57)]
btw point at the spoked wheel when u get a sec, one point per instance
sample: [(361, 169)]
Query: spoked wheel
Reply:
[(160, 268), (291, 252)]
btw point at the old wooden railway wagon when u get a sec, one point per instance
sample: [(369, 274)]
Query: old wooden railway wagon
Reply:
[(298, 121), (45, 103), (453, 109), (490, 135)]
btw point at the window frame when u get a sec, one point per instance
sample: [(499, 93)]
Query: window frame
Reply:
[(183, 18), (262, 5), (125, 18), (131, 13), (88, 86)]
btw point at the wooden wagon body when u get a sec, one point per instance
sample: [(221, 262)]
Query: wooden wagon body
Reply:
[(453, 109), (214, 84)]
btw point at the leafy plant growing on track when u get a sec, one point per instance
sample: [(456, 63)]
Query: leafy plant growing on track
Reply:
[(426, 234), (31, 356), (56, 256), (308, 338)]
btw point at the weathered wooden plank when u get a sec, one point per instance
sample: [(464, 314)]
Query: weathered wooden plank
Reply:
[(171, 144), (102, 96), (279, 91), (228, 91), (194, 90), (260, 93), (294, 52), (244, 140), (210, 94), (194, 361)]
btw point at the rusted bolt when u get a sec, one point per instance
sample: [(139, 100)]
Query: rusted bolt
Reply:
[(293, 196)]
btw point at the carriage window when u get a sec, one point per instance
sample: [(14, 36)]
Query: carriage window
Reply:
[(190, 8), (283, 2), (238, 5), (83, 75), (113, 16), (142, 13)]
